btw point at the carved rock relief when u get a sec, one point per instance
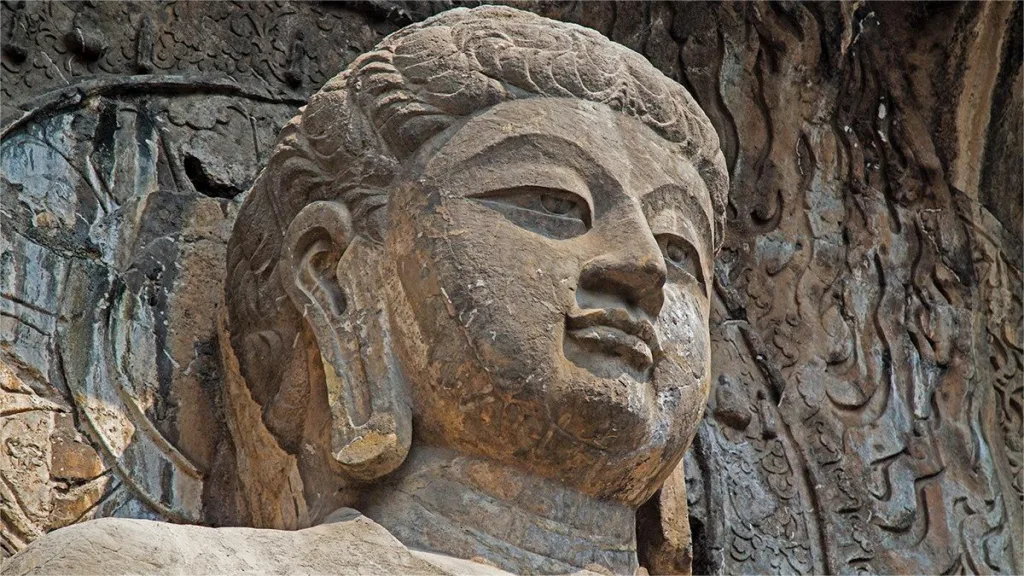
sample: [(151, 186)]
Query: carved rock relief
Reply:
[(866, 414), (114, 250)]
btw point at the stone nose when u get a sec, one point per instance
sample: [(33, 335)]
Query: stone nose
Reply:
[(631, 269)]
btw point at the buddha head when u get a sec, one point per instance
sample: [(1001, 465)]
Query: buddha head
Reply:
[(492, 234)]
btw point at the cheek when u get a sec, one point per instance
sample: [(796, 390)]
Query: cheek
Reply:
[(683, 332), (682, 378), (506, 290)]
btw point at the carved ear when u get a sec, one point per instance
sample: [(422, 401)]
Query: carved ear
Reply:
[(333, 278)]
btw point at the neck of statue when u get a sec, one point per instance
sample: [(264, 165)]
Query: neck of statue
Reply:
[(442, 501)]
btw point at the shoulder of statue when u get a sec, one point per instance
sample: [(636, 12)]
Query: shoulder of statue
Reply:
[(354, 522), (106, 545), (347, 542)]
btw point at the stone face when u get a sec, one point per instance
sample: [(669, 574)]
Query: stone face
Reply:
[(865, 314)]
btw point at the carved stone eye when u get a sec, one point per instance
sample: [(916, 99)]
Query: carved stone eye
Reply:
[(675, 253), (556, 205), (680, 254), (549, 212)]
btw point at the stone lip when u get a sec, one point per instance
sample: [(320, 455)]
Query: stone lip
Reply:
[(615, 331)]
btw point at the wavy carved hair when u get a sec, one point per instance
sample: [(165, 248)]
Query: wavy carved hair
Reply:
[(348, 142)]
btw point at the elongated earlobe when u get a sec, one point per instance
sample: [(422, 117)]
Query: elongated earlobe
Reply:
[(371, 426)]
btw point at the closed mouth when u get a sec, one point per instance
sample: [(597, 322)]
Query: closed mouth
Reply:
[(615, 332)]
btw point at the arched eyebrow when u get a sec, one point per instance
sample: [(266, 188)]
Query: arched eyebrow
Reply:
[(688, 203), (551, 145)]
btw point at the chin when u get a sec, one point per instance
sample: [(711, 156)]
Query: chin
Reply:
[(614, 445), (616, 415), (613, 438)]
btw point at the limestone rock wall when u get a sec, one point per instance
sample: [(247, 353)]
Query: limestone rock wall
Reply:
[(867, 409)]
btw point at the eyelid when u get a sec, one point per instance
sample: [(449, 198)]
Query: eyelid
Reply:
[(670, 221), (660, 233), (496, 195), (489, 180), (678, 210)]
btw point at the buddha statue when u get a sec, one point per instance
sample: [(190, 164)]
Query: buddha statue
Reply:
[(467, 309)]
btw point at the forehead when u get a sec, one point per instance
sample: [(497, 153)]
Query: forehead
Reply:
[(637, 157)]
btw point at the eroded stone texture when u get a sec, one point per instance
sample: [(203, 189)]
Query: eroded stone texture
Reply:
[(866, 331), (110, 257), (116, 213), (352, 545)]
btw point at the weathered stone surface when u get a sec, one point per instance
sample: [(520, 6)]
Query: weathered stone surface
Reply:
[(867, 304), (115, 218), (355, 545), (110, 313)]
